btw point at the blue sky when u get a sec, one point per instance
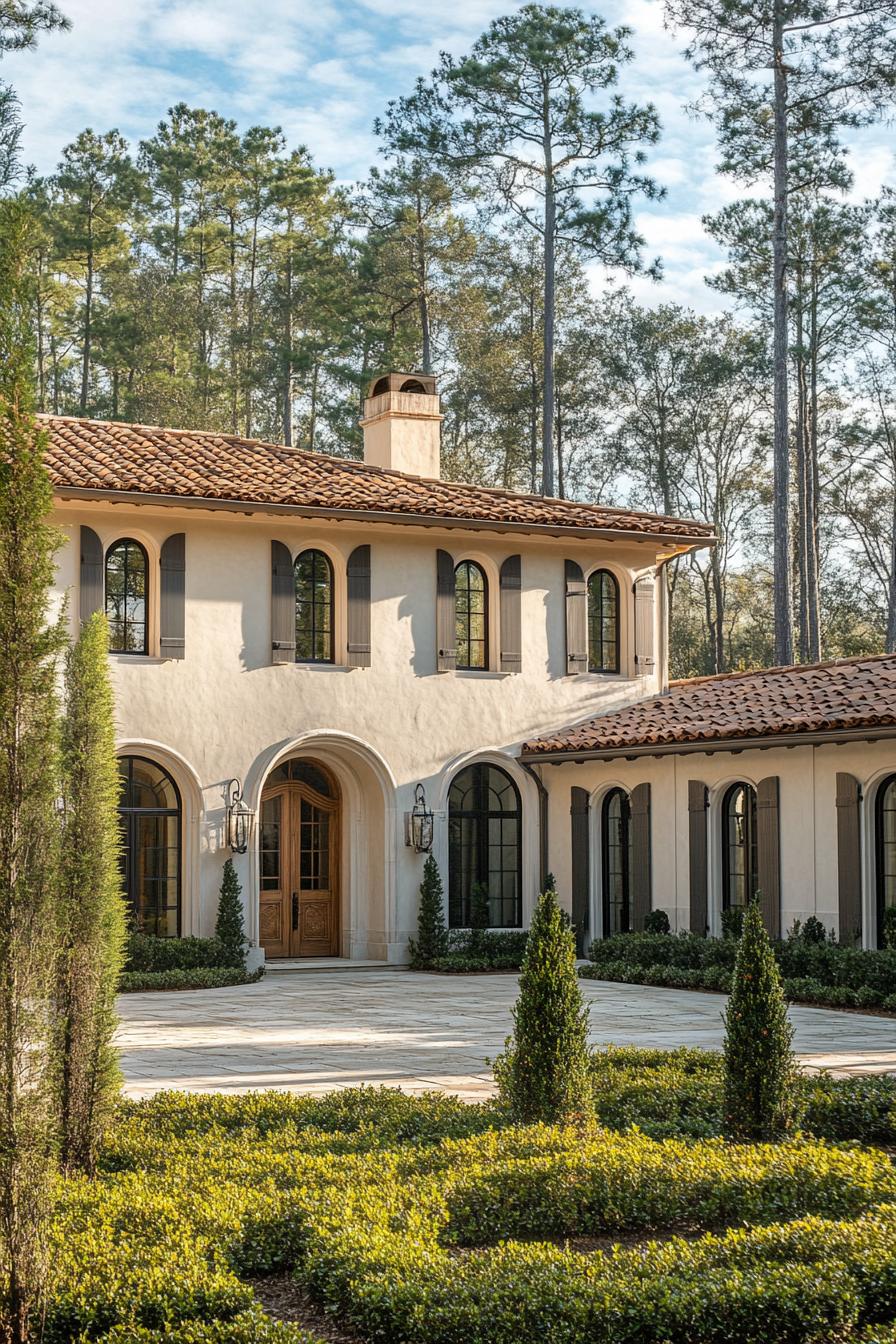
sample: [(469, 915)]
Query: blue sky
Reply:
[(322, 70)]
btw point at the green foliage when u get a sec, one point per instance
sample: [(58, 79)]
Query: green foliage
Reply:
[(145, 952), (229, 930), (888, 927), (656, 921), (482, 950), (733, 922), (812, 931), (198, 977), (543, 1073), (759, 1062), (432, 935)]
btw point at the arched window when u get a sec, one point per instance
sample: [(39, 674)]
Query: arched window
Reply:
[(885, 851), (471, 608), (485, 846), (126, 596), (314, 608), (616, 859), (739, 851), (603, 622), (150, 814)]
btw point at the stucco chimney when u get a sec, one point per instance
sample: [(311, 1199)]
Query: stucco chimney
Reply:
[(402, 424)]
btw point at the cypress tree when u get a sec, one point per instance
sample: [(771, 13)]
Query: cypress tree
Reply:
[(91, 908), (544, 1073), (759, 1063), (31, 641), (229, 928), (432, 936)]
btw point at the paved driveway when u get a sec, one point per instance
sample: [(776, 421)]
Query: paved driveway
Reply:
[(312, 1031)]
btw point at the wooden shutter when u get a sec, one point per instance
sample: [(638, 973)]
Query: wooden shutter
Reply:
[(849, 858), (511, 627), (645, 655), (576, 620), (768, 846), (283, 605), (92, 580), (172, 572), (581, 867), (697, 882), (358, 576), (446, 613), (640, 875)]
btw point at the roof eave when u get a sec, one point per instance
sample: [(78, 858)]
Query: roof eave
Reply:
[(711, 746)]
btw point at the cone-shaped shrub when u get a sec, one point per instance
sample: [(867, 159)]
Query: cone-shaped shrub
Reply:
[(229, 929), (432, 936), (543, 1073), (759, 1063)]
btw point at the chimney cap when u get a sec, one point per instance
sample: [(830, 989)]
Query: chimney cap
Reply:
[(419, 383)]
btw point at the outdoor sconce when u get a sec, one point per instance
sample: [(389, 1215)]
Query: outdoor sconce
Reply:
[(239, 818), (418, 824)]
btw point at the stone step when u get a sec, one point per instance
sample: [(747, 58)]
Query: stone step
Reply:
[(282, 965)]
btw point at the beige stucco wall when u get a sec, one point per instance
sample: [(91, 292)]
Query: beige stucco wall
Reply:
[(225, 712), (808, 822)]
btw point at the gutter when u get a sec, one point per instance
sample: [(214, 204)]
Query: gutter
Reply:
[(734, 745)]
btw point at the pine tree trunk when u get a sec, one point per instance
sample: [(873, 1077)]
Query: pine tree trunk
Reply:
[(781, 506), (891, 592), (287, 357), (422, 293), (812, 569), (801, 469), (550, 227), (250, 326), (88, 321)]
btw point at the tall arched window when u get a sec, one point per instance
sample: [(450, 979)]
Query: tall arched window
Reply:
[(485, 846), (739, 849), (150, 815), (126, 596), (885, 851), (616, 860), (471, 608), (314, 608), (603, 622)]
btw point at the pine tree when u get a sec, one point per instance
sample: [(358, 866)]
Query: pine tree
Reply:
[(759, 1064), (432, 936), (544, 1072), (229, 929), (91, 909)]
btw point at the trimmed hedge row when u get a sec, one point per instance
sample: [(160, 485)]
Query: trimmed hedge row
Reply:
[(250, 1327), (144, 952), (482, 950), (200, 977)]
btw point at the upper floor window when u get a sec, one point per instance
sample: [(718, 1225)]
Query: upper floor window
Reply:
[(603, 622), (314, 608), (126, 596), (471, 608), (740, 858), (616, 837)]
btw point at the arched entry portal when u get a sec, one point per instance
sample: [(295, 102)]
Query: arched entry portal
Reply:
[(299, 852)]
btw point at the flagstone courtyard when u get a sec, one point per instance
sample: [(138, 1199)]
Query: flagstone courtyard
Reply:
[(313, 1031)]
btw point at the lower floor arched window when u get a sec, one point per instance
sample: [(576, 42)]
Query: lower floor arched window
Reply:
[(740, 860), (484, 847), (616, 862), (150, 815), (885, 853)]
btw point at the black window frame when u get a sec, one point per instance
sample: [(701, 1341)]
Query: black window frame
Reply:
[(330, 605), (119, 542), (625, 851), (750, 845), (477, 835), (880, 893), (127, 818), (462, 615), (595, 620)]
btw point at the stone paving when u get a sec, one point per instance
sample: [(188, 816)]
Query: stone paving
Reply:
[(312, 1031)]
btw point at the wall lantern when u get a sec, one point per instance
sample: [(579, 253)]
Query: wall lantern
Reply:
[(239, 818), (418, 824)]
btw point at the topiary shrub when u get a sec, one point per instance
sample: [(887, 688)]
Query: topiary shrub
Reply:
[(544, 1072), (431, 942), (759, 1064), (657, 921), (813, 932), (229, 930), (732, 922)]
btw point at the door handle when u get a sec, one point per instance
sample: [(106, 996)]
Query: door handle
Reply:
[(295, 911)]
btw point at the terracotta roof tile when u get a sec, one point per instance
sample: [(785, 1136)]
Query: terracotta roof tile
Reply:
[(853, 693), (95, 455)]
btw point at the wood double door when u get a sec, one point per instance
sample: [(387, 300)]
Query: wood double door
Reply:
[(299, 843)]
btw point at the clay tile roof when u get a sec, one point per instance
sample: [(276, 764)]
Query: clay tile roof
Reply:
[(851, 694), (179, 464)]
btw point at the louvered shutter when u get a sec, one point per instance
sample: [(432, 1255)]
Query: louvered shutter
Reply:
[(849, 858), (358, 577), (576, 620), (768, 847), (172, 573), (641, 876), (581, 867), (511, 627), (283, 605), (698, 876), (645, 654), (446, 613), (91, 584)]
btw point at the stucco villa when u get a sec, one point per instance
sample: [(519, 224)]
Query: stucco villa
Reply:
[(318, 661)]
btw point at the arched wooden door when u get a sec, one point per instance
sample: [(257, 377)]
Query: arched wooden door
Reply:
[(299, 844)]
